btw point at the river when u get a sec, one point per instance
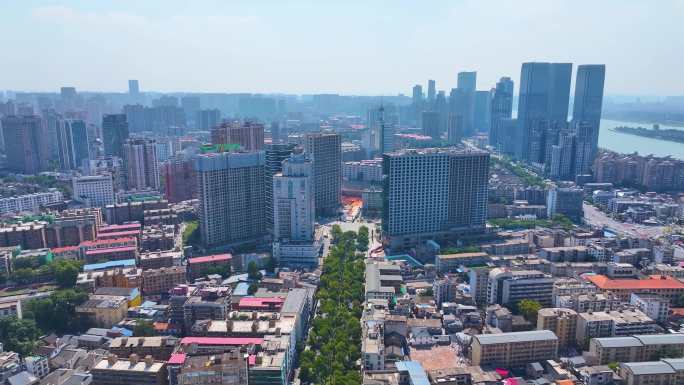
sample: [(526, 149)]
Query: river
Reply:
[(626, 143)]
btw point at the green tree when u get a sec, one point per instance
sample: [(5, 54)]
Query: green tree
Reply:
[(613, 366), (335, 338), (529, 308), (223, 271), (362, 240), (143, 328), (66, 273), (191, 234), (57, 312), (253, 287), (18, 335), (336, 232), (270, 264), (23, 276), (253, 272)]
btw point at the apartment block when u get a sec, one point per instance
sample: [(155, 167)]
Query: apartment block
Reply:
[(115, 371), (231, 194), (635, 348), (508, 286), (450, 262), (613, 323), (515, 349), (663, 286), (159, 281), (663, 372), (563, 322)]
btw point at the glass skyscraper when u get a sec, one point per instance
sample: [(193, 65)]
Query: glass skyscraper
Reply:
[(542, 108), (586, 113)]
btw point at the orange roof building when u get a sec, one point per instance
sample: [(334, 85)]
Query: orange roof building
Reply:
[(667, 287)]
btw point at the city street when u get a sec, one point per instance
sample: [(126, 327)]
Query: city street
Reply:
[(597, 218)]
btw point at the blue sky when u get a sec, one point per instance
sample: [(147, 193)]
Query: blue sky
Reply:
[(351, 47)]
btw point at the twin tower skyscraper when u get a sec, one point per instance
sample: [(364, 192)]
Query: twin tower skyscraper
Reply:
[(542, 135)]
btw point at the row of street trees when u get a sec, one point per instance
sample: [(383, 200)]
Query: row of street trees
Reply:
[(334, 345)]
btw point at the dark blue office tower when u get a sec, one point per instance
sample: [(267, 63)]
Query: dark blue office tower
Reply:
[(502, 108), (586, 114), (542, 109)]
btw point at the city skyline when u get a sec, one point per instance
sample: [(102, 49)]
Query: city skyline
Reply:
[(203, 53)]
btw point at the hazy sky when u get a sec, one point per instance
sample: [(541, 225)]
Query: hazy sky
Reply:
[(346, 46)]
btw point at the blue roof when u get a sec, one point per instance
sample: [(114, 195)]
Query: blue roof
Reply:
[(109, 265), (125, 332), (241, 289), (415, 371), (405, 257)]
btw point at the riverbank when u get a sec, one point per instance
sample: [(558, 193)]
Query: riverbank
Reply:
[(669, 135), (627, 143)]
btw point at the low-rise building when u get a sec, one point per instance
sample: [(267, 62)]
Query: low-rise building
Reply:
[(229, 368), (200, 266), (383, 280), (663, 372), (157, 259), (563, 322), (115, 371), (160, 348), (10, 364), (513, 349), (507, 286), (635, 348), (449, 263), (132, 294), (37, 366), (104, 311), (564, 254), (29, 202), (613, 323), (596, 375), (664, 286), (652, 305), (584, 303), (160, 281)]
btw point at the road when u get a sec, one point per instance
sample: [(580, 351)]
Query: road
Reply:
[(597, 218)]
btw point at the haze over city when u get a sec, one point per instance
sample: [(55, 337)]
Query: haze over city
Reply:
[(266, 192), (350, 47)]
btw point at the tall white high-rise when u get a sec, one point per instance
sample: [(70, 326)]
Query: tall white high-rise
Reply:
[(294, 212)]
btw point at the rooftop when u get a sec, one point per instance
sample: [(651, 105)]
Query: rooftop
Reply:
[(109, 265), (211, 258), (462, 255), (503, 338), (654, 282), (260, 302), (650, 367), (125, 226), (119, 234), (126, 365), (415, 371), (229, 341), (618, 342), (107, 241), (106, 250)]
